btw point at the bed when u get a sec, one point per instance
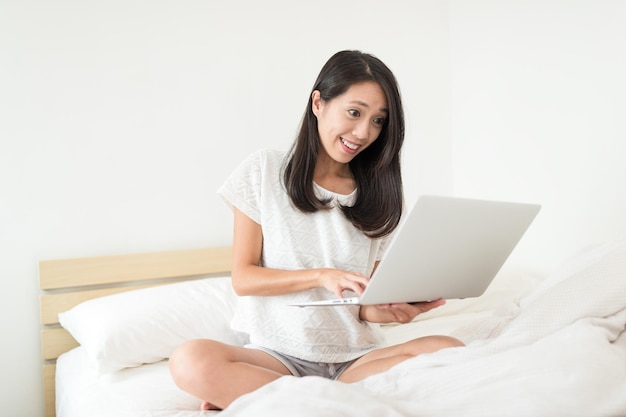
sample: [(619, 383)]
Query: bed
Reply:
[(535, 345)]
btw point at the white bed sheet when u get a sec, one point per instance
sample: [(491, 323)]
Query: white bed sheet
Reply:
[(148, 390), (145, 391)]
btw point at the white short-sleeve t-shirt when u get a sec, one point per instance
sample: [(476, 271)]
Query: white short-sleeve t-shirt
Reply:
[(294, 240)]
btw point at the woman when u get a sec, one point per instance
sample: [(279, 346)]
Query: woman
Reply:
[(309, 225)]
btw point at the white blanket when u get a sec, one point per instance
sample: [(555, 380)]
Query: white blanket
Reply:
[(562, 354)]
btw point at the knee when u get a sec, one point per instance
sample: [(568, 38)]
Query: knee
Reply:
[(190, 360), (443, 342), (430, 344), (181, 360)]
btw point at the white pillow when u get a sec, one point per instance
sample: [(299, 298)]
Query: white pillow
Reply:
[(144, 326)]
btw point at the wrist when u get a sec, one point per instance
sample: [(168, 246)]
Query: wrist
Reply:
[(318, 277), (364, 314)]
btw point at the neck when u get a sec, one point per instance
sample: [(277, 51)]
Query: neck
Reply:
[(333, 176)]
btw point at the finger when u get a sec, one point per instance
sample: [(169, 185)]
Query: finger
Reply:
[(349, 286), (429, 305), (359, 279), (401, 315), (356, 286)]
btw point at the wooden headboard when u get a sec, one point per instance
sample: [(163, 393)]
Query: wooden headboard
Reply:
[(68, 282)]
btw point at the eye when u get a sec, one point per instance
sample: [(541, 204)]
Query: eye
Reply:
[(379, 121), (354, 112)]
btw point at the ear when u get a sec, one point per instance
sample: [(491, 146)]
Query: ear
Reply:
[(316, 102)]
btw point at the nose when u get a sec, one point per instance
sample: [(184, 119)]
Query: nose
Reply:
[(361, 129)]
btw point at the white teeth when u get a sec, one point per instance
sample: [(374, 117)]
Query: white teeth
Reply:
[(352, 146)]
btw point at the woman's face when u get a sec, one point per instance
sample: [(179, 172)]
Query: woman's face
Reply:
[(352, 121)]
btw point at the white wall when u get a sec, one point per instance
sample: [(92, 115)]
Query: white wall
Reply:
[(537, 114), (119, 119)]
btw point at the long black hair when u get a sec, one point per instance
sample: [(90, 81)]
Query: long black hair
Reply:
[(376, 170)]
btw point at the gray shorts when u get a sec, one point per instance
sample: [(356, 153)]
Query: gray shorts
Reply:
[(299, 367)]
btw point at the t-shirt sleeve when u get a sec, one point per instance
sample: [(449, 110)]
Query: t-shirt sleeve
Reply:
[(242, 189)]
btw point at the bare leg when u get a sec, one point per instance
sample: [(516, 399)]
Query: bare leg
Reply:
[(382, 359), (219, 373)]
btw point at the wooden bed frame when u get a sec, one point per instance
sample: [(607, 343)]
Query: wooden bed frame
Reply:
[(68, 282)]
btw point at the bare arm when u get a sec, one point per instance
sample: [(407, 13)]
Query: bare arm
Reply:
[(251, 279)]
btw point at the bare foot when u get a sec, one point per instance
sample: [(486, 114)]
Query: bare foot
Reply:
[(208, 406)]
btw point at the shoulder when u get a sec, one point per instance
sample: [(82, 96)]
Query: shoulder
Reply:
[(265, 158), (261, 170), (271, 156)]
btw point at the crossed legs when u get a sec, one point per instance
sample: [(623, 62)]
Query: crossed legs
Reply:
[(383, 359), (219, 373)]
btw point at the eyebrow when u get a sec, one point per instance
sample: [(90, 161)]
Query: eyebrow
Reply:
[(364, 104)]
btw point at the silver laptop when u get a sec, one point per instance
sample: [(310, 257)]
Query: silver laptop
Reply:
[(446, 247)]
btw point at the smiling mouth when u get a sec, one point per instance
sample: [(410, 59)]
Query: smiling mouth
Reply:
[(350, 145)]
